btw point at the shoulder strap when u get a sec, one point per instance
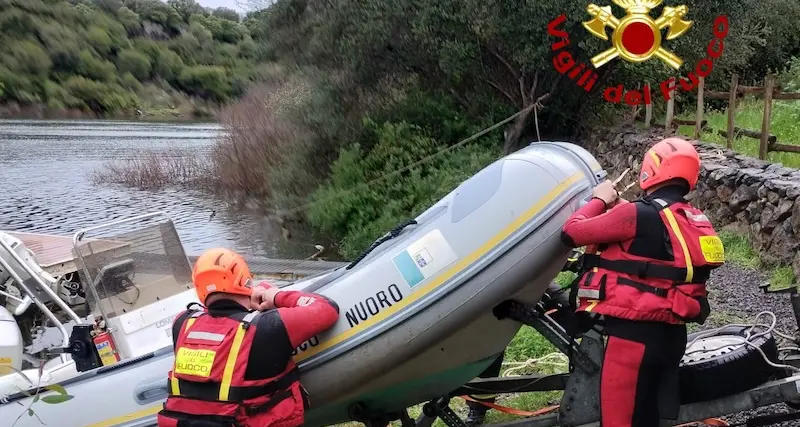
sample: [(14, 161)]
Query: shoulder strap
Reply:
[(250, 318)]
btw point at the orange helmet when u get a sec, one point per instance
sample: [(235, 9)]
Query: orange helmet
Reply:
[(221, 270), (668, 159)]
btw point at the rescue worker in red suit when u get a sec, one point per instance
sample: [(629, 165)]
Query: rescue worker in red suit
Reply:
[(642, 280), (233, 357)]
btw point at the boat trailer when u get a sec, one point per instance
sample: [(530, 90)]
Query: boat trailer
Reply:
[(580, 404)]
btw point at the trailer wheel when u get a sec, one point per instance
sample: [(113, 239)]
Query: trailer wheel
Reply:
[(727, 367)]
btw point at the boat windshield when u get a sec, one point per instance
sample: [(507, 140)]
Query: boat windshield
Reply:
[(132, 263)]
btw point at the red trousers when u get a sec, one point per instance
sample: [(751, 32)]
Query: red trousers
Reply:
[(639, 380)]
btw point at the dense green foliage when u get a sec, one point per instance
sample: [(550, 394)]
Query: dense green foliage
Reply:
[(370, 211), (379, 85), (100, 54)]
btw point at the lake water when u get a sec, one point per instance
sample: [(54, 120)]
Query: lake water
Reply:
[(46, 169)]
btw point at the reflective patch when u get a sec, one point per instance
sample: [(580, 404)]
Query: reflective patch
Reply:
[(194, 362), (305, 301), (589, 293), (208, 336), (697, 218), (712, 248)]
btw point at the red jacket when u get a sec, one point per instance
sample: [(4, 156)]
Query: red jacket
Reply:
[(235, 367), (647, 260)]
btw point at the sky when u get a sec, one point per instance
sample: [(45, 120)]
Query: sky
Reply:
[(231, 4)]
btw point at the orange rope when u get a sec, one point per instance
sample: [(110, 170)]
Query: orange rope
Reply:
[(513, 411), (543, 411), (708, 422)]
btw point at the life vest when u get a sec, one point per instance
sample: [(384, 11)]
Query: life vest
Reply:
[(616, 283), (207, 384)]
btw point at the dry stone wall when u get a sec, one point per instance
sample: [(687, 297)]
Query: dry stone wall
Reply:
[(738, 193)]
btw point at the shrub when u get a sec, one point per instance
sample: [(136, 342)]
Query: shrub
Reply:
[(99, 97), (260, 137), (207, 82), (134, 62), (345, 206)]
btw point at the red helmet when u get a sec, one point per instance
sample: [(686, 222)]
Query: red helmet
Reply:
[(668, 159)]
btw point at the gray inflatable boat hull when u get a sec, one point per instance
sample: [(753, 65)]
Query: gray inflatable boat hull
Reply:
[(415, 315)]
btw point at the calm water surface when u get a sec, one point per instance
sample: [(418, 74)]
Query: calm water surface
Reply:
[(46, 169)]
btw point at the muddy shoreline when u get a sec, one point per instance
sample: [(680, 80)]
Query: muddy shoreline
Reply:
[(14, 111)]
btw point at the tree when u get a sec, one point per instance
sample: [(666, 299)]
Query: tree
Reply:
[(134, 62), (27, 57), (207, 82), (95, 68), (110, 6), (130, 20), (99, 39), (226, 13), (186, 8)]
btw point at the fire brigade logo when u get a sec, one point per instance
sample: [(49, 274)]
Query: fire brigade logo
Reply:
[(636, 37)]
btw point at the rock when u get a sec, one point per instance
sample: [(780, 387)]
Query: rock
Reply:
[(795, 220), (753, 211), (784, 171), (748, 162), (796, 264), (790, 189), (767, 224), (773, 197), (711, 167), (724, 193), (750, 176), (782, 245), (743, 195), (773, 167), (762, 191), (720, 215), (719, 176), (772, 216)]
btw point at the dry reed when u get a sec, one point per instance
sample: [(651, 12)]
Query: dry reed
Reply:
[(263, 137), (157, 169)]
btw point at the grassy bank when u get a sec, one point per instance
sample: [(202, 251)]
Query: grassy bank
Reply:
[(749, 114), (739, 250)]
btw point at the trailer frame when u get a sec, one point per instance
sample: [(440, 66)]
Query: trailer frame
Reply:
[(580, 402)]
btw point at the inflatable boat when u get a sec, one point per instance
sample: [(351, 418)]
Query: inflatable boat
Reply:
[(416, 316)]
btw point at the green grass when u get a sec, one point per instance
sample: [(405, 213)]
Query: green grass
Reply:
[(739, 250), (784, 124)]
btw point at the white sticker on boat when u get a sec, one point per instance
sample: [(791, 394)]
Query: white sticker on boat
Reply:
[(424, 258)]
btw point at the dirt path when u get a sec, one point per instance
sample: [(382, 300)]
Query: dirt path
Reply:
[(736, 298)]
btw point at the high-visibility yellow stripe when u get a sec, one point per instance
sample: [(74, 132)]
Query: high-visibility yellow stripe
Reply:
[(174, 384), (686, 255), (189, 323), (227, 375), (133, 416), (655, 157), (592, 305), (483, 396)]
